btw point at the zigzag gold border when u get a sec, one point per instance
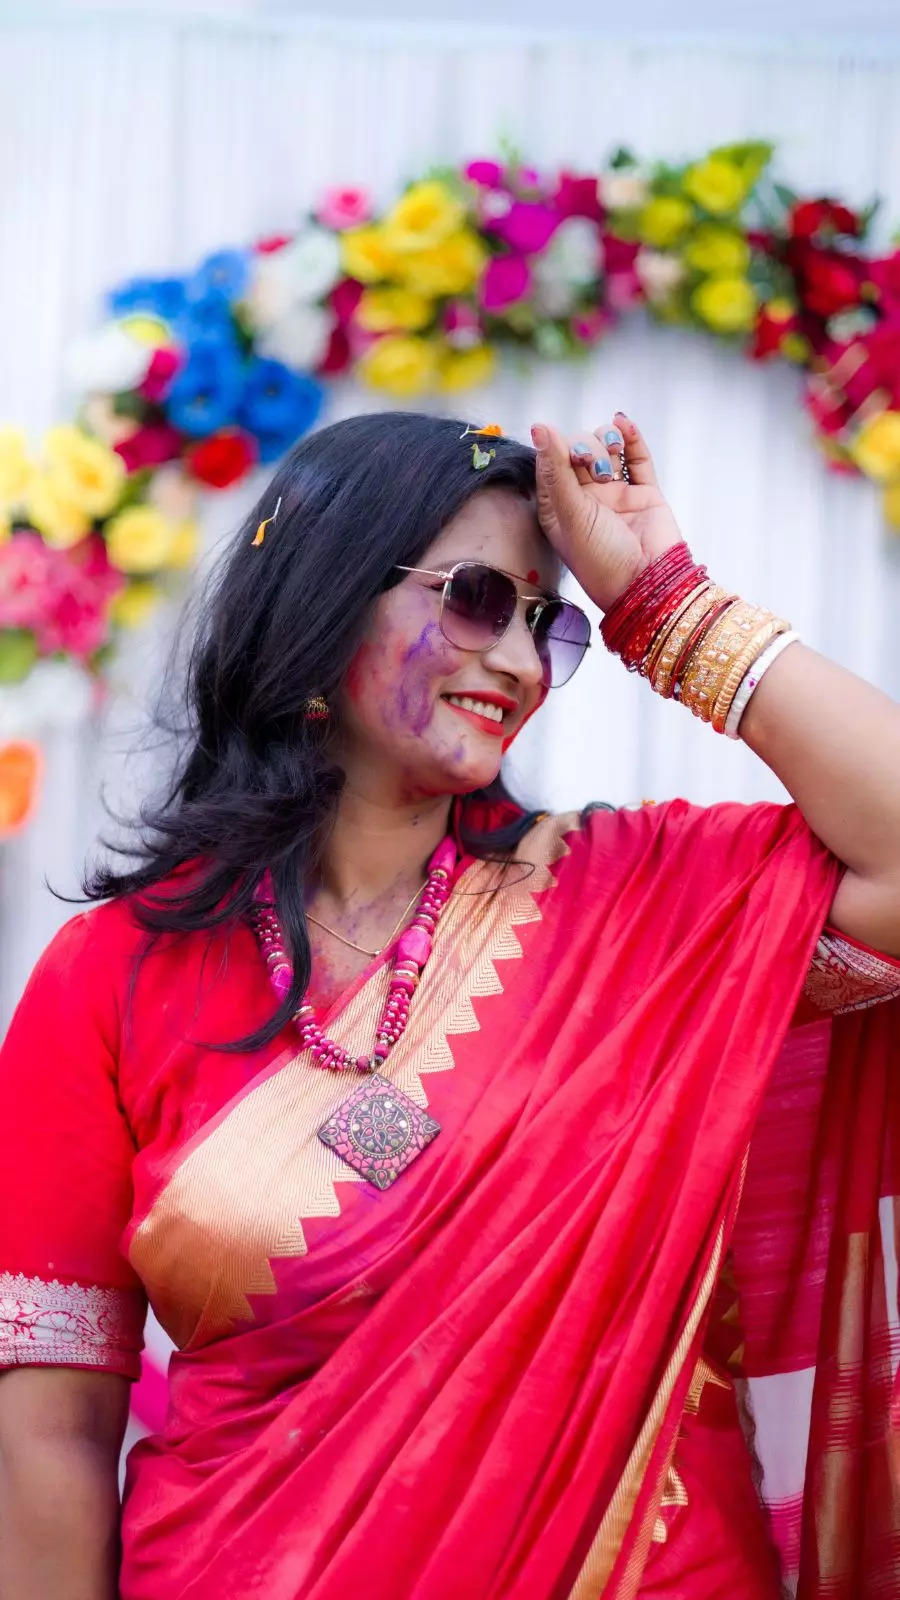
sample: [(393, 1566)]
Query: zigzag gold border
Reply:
[(238, 1200)]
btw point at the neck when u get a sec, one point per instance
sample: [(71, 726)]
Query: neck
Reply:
[(374, 850)]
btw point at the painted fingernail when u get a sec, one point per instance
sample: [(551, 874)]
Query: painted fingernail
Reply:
[(622, 415), (603, 469), (582, 449), (613, 436), (539, 436)]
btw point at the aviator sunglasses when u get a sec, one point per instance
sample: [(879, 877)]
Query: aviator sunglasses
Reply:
[(478, 603)]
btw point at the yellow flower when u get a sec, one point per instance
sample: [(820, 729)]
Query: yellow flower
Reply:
[(134, 604), (365, 255), (726, 304), (463, 369), (84, 472), (712, 248), (183, 553), (149, 330), (15, 467), (382, 310), (780, 309), (5, 527), (53, 514), (451, 267), (717, 185), (402, 364), (427, 213), (140, 539), (664, 220), (876, 446), (892, 504), (796, 347)]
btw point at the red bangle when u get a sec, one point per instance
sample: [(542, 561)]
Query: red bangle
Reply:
[(658, 574), (637, 646)]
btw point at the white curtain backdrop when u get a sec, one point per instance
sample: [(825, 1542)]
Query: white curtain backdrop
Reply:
[(131, 145)]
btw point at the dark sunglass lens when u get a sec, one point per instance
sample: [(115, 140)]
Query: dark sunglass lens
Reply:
[(479, 605), (562, 633)]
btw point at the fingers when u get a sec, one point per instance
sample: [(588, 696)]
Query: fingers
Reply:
[(591, 460), (558, 479), (637, 457)]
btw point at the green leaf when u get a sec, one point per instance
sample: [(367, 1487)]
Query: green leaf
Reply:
[(18, 654), (752, 156), (787, 196), (621, 160)]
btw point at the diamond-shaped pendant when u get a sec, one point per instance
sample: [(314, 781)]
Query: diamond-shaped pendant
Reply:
[(378, 1131)]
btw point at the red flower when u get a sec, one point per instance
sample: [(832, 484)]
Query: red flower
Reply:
[(337, 357), (577, 197), (149, 446), (162, 369), (267, 247), (344, 298), (884, 272), (768, 334), (809, 217), (222, 459), (826, 282)]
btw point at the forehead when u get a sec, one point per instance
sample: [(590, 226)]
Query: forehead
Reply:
[(500, 527)]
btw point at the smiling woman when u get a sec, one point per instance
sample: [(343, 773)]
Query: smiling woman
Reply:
[(475, 1161)]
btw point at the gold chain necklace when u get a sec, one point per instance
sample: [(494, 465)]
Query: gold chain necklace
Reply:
[(335, 935)]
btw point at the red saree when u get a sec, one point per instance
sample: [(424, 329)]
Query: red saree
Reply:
[(474, 1382)]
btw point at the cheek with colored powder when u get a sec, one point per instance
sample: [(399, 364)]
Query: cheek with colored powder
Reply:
[(427, 658)]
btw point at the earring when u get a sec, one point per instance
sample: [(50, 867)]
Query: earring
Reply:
[(316, 708)]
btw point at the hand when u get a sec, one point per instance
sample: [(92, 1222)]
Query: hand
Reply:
[(605, 530)]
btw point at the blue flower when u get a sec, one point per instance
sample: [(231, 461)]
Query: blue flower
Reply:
[(207, 321), (206, 392), (164, 297), (278, 406), (222, 276)]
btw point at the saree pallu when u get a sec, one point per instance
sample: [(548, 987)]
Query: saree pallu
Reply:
[(473, 1382)]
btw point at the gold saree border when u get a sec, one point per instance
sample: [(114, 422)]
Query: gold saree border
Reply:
[(262, 1166)]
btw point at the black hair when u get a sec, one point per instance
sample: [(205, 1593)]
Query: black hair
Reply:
[(254, 787)]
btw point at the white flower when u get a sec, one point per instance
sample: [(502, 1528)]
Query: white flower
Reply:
[(108, 361), (659, 273), (850, 324), (493, 203), (622, 191), (316, 258), (572, 259), (299, 339)]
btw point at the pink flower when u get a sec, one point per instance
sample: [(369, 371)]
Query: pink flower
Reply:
[(162, 369), (150, 446), (527, 227), (885, 274), (268, 247), (506, 279), (462, 325), (344, 208), (489, 174), (591, 327), (578, 197), (62, 596), (344, 298)]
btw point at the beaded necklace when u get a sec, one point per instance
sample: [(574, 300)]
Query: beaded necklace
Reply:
[(378, 1130)]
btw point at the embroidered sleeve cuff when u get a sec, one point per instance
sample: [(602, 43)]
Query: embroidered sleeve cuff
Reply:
[(68, 1325), (846, 976)]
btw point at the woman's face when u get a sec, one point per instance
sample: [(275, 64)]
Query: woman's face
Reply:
[(400, 735)]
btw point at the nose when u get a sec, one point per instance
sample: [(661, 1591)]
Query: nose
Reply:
[(516, 654)]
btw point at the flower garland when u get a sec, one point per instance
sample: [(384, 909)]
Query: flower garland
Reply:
[(192, 382)]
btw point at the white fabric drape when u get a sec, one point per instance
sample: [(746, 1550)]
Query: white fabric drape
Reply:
[(129, 145)]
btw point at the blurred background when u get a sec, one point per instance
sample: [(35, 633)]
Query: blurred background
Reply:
[(138, 141)]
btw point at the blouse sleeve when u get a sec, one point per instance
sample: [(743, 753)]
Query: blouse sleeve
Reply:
[(68, 1296), (845, 975)]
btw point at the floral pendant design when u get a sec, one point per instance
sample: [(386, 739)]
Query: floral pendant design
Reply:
[(378, 1131)]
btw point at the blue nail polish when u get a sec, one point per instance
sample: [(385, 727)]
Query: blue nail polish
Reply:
[(613, 436), (602, 469), (582, 450)]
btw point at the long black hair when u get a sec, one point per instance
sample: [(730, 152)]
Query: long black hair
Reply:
[(254, 787)]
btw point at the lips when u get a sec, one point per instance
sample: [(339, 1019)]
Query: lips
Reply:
[(497, 727)]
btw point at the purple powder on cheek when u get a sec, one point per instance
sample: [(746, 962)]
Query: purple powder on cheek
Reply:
[(413, 698)]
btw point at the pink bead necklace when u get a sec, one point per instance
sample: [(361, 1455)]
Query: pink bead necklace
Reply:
[(378, 1130)]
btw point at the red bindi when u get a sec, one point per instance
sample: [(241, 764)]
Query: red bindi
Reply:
[(532, 576)]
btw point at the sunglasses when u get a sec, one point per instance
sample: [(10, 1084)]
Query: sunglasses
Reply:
[(478, 604)]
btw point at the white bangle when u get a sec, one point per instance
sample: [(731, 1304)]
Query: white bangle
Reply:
[(750, 681)]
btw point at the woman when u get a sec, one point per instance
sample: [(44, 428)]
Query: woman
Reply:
[(490, 1170)]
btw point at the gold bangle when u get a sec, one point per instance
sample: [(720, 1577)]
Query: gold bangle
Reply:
[(741, 665), (712, 663), (658, 641), (661, 680)]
